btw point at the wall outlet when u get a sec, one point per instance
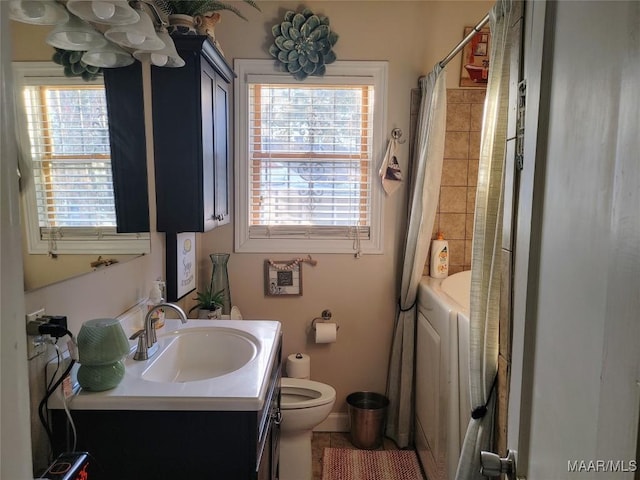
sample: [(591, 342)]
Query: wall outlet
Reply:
[(36, 344)]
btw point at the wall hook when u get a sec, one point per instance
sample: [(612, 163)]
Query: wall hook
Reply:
[(396, 134)]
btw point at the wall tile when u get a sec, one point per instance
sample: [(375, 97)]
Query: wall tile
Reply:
[(455, 95), (471, 199), (476, 95), (458, 117), (476, 116), (472, 172), (453, 200), (454, 172), (456, 145), (456, 252), (469, 224), (474, 144), (468, 249), (452, 225), (456, 203), (455, 269)]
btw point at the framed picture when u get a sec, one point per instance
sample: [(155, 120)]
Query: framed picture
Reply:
[(181, 265), (475, 59), (282, 278)]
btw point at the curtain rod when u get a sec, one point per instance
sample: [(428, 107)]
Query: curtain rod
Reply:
[(466, 40)]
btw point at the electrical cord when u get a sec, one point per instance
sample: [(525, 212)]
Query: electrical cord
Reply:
[(52, 388)]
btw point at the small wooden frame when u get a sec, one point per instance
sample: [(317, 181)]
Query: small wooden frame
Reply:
[(282, 278)]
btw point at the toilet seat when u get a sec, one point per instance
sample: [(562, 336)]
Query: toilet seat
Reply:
[(298, 393)]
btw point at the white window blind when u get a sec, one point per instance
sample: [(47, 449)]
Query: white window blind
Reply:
[(308, 161), (310, 149), (69, 140)]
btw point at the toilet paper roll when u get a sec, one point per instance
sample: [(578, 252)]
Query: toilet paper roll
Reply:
[(326, 332), (298, 365)]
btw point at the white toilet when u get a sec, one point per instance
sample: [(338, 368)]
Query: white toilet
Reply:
[(304, 405)]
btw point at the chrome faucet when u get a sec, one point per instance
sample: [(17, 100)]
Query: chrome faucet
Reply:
[(147, 339)]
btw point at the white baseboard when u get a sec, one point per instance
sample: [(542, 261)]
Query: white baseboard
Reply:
[(335, 422)]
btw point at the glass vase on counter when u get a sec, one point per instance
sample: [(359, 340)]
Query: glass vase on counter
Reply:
[(220, 279)]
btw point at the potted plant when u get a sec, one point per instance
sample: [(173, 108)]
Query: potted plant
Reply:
[(194, 8), (209, 303), (191, 17)]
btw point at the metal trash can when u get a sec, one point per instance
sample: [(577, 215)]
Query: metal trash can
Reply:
[(367, 413)]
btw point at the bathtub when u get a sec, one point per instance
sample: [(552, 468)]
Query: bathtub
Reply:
[(442, 408)]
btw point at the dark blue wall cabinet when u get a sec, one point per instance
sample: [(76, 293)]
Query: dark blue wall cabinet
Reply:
[(191, 136), (125, 108)]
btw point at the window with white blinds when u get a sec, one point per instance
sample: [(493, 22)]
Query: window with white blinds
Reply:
[(66, 166), (308, 158), (70, 158)]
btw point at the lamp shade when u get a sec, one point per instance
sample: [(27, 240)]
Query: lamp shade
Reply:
[(110, 12), (167, 57), (37, 12), (140, 35), (101, 341), (108, 56), (75, 34)]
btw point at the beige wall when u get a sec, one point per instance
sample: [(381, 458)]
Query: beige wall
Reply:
[(362, 293)]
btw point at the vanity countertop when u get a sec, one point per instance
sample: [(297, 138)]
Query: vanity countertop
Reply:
[(244, 389)]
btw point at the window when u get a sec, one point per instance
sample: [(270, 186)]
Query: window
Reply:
[(66, 167), (307, 158)]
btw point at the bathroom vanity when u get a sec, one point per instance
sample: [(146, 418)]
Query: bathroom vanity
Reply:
[(154, 428)]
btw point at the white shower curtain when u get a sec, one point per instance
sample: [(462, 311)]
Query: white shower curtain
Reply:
[(427, 172), (486, 252)]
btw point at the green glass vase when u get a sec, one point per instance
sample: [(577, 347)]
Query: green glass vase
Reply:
[(220, 279)]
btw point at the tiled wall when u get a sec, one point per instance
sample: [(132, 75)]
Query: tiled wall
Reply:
[(454, 216)]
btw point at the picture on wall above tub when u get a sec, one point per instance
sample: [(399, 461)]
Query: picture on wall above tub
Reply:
[(282, 278), (475, 59)]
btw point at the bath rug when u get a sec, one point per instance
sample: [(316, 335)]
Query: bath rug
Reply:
[(347, 464)]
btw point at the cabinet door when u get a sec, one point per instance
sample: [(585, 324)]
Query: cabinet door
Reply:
[(209, 120), (221, 152), (125, 106)]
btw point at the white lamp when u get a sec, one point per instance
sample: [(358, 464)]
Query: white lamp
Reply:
[(167, 57), (110, 12), (75, 34), (108, 56), (37, 12), (140, 35)]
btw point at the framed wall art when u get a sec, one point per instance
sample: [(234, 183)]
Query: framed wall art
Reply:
[(475, 59), (181, 265), (282, 278)]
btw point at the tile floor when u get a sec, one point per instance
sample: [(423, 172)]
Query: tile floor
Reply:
[(322, 440)]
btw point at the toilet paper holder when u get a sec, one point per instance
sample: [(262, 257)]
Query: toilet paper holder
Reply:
[(325, 316)]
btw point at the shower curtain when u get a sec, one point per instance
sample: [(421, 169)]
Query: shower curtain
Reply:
[(486, 250), (427, 172)]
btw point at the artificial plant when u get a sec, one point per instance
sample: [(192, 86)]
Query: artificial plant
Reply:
[(200, 7), (303, 44)]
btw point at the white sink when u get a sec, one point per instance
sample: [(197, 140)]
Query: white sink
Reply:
[(201, 353)]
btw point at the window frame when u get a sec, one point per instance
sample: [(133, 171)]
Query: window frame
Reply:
[(63, 240), (341, 72)]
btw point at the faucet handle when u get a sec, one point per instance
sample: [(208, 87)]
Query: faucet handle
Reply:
[(142, 350)]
